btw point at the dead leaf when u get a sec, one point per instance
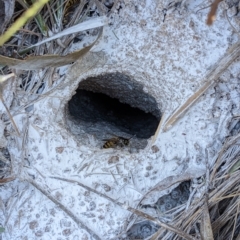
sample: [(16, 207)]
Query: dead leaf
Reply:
[(59, 149), (3, 79), (38, 62)]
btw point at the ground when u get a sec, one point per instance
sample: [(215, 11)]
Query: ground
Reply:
[(168, 50)]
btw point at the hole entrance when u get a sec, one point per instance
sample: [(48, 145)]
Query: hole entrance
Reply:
[(113, 105)]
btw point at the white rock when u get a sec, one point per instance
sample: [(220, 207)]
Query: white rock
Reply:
[(232, 11)]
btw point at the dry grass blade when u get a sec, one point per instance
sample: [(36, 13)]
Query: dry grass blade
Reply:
[(156, 221), (39, 62), (206, 228), (211, 79), (133, 210), (87, 62), (69, 213), (220, 217), (9, 179), (2, 81), (229, 143), (158, 129), (93, 23), (162, 185), (235, 167), (235, 221)]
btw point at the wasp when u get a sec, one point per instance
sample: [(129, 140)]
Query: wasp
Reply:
[(116, 142)]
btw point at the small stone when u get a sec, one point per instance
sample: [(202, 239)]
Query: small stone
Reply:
[(55, 76), (33, 224), (84, 237), (149, 168), (39, 233), (176, 193), (202, 125), (106, 188), (37, 121), (173, 134), (65, 223), (58, 196), (66, 232), (47, 229), (86, 193), (216, 114), (92, 206), (225, 76), (59, 149), (101, 217), (155, 149), (232, 11), (113, 159), (146, 174)]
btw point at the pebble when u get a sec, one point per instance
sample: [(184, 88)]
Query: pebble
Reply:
[(232, 11)]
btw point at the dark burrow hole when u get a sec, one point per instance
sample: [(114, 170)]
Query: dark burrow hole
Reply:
[(111, 105)]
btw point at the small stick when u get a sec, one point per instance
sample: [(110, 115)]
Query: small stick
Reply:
[(9, 179), (211, 79), (212, 14), (158, 129), (133, 210), (70, 214)]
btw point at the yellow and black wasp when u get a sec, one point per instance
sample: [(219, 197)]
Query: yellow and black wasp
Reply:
[(116, 142)]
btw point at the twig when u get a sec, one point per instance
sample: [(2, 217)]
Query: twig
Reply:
[(228, 196), (212, 14), (158, 129), (70, 214), (114, 178), (133, 210), (113, 7), (211, 79), (203, 8), (9, 179)]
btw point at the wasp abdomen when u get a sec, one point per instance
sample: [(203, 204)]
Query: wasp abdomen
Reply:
[(111, 143)]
